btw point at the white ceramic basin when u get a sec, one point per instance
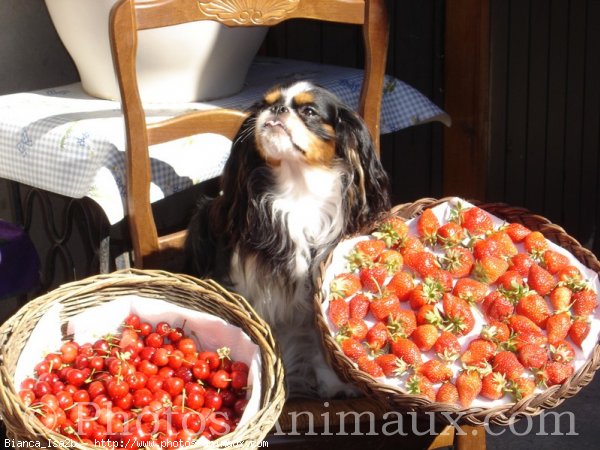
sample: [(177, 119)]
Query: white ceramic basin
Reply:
[(183, 63)]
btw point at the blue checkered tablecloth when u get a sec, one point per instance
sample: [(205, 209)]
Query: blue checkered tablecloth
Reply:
[(64, 141)]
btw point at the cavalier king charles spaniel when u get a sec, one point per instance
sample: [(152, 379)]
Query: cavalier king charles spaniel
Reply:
[(302, 174)]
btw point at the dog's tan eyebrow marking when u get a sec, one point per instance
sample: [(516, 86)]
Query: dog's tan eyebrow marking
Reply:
[(304, 98), (273, 97)]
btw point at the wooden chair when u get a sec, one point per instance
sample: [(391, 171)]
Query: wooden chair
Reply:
[(130, 16)]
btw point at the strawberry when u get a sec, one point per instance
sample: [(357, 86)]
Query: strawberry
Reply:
[(391, 365), (540, 280), (411, 244), (584, 302), (496, 244), (458, 261), (521, 388), (427, 227), (352, 348), (447, 393), (420, 385), (384, 306), (459, 314), (554, 261), (508, 364), (392, 260), (401, 284), (475, 220), (489, 268), (355, 328), (450, 234), (560, 298), (556, 373), (392, 231), (579, 331), (447, 346), (495, 331), (377, 336), (487, 247), (493, 386), (372, 278), (344, 285), (496, 306), (511, 280), (517, 231), (422, 262), (425, 336), (338, 312), (478, 351), (521, 262), (557, 327), (562, 352), (528, 337), (359, 306), (444, 278), (532, 356), (371, 248), (429, 314), (403, 323), (570, 276), (364, 253), (370, 367), (534, 307), (506, 247), (471, 291), (521, 324), (535, 244), (406, 350), (435, 370), (468, 385), (428, 292)]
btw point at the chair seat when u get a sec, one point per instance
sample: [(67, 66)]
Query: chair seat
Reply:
[(64, 141)]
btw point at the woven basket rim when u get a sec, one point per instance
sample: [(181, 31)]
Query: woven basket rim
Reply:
[(178, 289), (502, 414)]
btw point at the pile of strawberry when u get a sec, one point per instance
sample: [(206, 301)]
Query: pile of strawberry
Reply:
[(147, 386), (461, 310)]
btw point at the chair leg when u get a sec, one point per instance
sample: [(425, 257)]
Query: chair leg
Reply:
[(444, 439), (473, 439)]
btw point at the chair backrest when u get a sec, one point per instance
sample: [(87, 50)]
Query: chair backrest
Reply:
[(129, 16)]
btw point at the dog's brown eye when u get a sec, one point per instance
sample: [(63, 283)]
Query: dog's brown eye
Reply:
[(308, 111)]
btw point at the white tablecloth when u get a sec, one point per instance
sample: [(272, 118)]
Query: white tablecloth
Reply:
[(64, 141)]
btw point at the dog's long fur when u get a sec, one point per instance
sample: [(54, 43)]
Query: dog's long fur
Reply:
[(302, 173)]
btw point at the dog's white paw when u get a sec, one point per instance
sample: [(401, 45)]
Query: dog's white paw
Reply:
[(331, 386)]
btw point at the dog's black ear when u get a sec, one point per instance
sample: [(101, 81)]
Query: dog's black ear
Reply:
[(230, 209), (217, 222), (200, 244), (368, 193)]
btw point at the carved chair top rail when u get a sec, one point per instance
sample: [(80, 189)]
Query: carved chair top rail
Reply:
[(151, 13)]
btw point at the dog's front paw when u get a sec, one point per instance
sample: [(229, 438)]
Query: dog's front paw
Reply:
[(331, 386)]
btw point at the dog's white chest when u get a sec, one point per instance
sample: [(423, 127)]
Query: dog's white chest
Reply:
[(308, 201)]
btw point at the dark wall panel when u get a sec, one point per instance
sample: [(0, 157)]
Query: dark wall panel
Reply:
[(544, 111)]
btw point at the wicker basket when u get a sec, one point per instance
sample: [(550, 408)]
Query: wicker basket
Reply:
[(505, 414), (183, 291)]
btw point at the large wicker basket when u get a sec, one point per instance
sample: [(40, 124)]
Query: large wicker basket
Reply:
[(396, 399), (183, 291)]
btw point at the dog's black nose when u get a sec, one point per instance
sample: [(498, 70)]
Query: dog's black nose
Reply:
[(278, 109)]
